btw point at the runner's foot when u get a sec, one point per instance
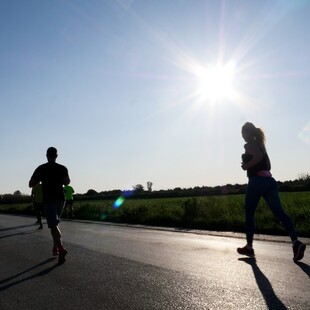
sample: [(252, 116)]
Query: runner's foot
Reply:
[(246, 251), (298, 250), (62, 256)]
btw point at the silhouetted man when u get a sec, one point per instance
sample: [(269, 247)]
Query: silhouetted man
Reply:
[(53, 177)]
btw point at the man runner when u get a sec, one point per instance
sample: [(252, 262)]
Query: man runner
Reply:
[(53, 177)]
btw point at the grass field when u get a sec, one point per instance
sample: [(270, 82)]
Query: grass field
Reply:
[(221, 213)]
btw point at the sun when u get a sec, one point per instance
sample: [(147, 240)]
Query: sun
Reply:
[(215, 83)]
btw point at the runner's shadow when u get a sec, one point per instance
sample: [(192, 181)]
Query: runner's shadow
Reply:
[(271, 299), (305, 268), (22, 233), (15, 227), (39, 274)]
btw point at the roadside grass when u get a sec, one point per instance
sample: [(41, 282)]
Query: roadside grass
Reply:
[(221, 213)]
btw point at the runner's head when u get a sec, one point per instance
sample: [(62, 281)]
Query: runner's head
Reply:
[(51, 154)]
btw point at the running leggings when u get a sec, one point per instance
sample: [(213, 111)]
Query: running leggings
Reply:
[(267, 188)]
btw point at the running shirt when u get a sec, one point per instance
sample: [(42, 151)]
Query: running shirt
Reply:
[(68, 192), (51, 175), (264, 164)]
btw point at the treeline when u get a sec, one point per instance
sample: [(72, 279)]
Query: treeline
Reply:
[(299, 185), (170, 193)]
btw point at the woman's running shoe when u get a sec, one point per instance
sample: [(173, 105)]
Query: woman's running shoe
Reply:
[(246, 251)]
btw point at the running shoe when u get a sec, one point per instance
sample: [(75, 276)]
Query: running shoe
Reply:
[(299, 250), (62, 256), (246, 251)]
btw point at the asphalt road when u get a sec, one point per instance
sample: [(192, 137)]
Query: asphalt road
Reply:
[(119, 267)]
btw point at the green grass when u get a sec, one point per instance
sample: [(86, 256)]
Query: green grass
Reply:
[(222, 213)]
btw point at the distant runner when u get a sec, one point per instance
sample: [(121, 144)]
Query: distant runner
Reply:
[(37, 201), (69, 212)]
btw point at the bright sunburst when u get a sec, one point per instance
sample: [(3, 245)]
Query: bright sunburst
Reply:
[(216, 82)]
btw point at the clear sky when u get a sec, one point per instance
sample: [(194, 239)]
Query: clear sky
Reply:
[(131, 91)]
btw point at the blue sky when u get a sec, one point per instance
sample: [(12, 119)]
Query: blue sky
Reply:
[(116, 87)]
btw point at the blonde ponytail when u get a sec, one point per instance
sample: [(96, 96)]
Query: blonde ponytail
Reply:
[(260, 137)]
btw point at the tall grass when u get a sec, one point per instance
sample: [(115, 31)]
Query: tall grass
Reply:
[(222, 213)]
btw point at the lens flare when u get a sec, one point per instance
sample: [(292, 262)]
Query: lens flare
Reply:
[(121, 199), (118, 202), (304, 135)]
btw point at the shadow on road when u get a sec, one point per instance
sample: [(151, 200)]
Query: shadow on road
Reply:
[(39, 274), (15, 227), (305, 268), (271, 299), (22, 233)]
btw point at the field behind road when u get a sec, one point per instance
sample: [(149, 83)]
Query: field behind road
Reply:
[(119, 267), (221, 213)]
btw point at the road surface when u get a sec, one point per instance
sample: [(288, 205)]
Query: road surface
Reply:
[(120, 267)]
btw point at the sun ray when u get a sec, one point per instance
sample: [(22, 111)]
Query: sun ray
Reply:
[(216, 82)]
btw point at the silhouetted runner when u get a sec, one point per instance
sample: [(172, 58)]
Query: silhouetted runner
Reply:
[(256, 162), (53, 177)]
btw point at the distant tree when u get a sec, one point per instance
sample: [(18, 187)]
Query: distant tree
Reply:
[(149, 186), (138, 188), (17, 193), (177, 189), (91, 192), (304, 177), (115, 192)]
